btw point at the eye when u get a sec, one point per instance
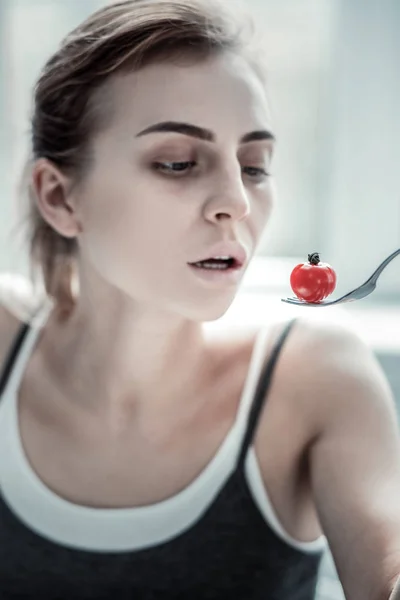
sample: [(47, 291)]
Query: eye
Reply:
[(174, 168), (256, 172)]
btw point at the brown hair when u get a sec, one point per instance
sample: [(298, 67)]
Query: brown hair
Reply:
[(120, 37)]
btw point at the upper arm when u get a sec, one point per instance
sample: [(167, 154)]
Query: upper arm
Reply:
[(355, 460)]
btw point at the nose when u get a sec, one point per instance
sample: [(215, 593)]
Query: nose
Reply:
[(228, 200)]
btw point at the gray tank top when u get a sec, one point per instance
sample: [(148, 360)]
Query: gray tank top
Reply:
[(217, 538)]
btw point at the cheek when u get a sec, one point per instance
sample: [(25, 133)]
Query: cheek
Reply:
[(271, 195), (263, 206), (124, 223)]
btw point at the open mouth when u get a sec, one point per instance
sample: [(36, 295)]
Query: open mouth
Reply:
[(223, 264)]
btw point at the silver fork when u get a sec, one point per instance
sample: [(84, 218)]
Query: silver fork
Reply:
[(360, 292)]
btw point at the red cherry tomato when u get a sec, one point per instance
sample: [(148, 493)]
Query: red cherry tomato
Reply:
[(314, 280)]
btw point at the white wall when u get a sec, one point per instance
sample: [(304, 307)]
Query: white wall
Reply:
[(362, 124)]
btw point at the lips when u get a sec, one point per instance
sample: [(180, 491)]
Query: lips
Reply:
[(232, 250)]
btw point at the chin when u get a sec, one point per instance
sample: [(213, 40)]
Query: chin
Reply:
[(209, 311)]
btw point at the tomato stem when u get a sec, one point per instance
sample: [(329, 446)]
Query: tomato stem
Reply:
[(313, 258)]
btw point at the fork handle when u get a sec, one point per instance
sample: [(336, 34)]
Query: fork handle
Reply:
[(383, 265), (395, 595)]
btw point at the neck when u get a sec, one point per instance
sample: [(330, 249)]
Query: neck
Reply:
[(118, 354)]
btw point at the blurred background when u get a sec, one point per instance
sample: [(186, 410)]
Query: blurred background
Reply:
[(334, 86)]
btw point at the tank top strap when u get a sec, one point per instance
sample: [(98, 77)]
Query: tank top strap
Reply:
[(11, 371), (261, 391)]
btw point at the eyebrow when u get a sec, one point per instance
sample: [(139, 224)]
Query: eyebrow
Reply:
[(202, 133)]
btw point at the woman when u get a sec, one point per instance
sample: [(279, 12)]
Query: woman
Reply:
[(142, 456)]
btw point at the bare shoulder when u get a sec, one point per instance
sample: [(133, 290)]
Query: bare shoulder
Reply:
[(18, 303), (335, 373), (325, 347)]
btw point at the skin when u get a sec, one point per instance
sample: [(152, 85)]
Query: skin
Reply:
[(138, 227), (337, 467)]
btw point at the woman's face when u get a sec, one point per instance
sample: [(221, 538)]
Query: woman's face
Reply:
[(154, 201)]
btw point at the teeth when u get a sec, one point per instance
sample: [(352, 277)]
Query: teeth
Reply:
[(225, 262), (207, 265)]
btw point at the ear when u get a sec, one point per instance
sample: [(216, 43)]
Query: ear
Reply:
[(54, 201)]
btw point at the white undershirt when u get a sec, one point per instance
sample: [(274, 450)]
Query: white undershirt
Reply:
[(124, 529)]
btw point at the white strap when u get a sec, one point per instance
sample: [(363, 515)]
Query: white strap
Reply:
[(24, 354)]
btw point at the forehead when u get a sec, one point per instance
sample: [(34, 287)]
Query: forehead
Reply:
[(222, 93)]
